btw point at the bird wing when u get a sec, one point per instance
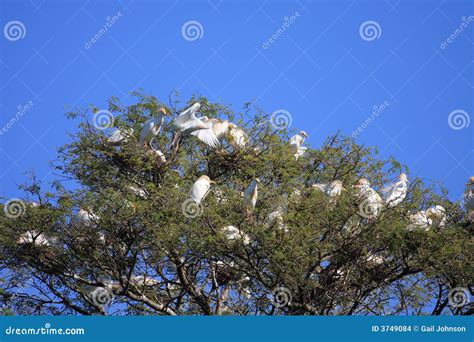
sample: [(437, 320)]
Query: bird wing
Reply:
[(320, 186), (220, 130), (207, 136), (237, 137), (295, 139), (146, 130), (199, 191), (396, 193), (116, 137), (188, 115)]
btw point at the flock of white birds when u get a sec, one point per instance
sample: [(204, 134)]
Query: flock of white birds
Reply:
[(211, 132)]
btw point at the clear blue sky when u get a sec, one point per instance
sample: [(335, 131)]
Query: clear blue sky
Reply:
[(319, 69)]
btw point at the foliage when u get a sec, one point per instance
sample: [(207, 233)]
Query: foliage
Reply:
[(323, 260)]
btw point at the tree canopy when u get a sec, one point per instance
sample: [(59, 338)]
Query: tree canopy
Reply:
[(119, 234)]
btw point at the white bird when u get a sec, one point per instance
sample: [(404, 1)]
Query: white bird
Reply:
[(397, 192), (437, 215), (120, 136), (160, 155), (200, 188), (187, 123), (143, 280), (371, 203), (86, 218), (219, 128), (251, 195), (236, 136), (275, 219), (37, 238), (332, 189), (233, 233), (152, 127), (207, 135), (419, 220), (469, 198), (296, 143)]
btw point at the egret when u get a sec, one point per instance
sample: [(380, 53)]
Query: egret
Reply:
[(236, 136), (469, 198), (120, 136), (371, 203), (419, 220), (296, 143), (152, 127), (86, 218), (275, 219), (143, 280), (200, 188), (36, 238), (187, 123), (159, 155), (332, 189), (216, 130), (397, 192), (437, 216), (251, 195), (233, 233)]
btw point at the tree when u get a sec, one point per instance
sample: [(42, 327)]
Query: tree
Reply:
[(144, 248)]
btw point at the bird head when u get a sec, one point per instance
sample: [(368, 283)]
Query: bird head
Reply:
[(436, 212), (403, 177), (361, 183), (195, 107), (470, 181), (338, 184), (204, 177), (304, 134), (163, 111)]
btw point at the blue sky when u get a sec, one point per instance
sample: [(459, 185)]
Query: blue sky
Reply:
[(322, 68)]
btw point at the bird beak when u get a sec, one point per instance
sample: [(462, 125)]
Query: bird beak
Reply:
[(164, 111), (212, 182), (344, 189)]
